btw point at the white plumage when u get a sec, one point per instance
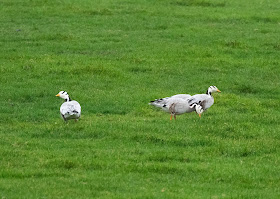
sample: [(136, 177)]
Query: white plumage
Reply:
[(185, 103), (70, 109), (175, 105), (167, 100), (204, 100)]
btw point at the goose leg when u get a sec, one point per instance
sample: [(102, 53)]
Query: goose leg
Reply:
[(64, 118), (172, 112)]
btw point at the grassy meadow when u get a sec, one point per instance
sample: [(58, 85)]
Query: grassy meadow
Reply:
[(114, 56)]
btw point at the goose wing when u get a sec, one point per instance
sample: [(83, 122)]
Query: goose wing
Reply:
[(70, 108), (167, 100)]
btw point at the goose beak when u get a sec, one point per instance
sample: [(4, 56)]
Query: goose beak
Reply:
[(218, 91), (199, 115), (57, 95)]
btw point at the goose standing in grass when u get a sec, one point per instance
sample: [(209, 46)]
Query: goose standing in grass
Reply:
[(176, 105), (70, 109), (204, 100)]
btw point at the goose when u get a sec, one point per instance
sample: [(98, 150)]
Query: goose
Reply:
[(176, 106), (70, 109), (204, 100)]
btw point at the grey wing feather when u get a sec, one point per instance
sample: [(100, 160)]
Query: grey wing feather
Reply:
[(165, 101)]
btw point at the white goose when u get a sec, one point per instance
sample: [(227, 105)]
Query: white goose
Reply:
[(176, 106), (204, 100), (70, 109)]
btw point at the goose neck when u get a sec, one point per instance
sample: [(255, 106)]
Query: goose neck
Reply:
[(208, 92), (68, 99)]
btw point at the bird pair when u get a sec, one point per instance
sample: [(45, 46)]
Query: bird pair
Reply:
[(185, 103)]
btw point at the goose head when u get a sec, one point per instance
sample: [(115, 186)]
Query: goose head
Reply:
[(64, 95), (198, 109), (212, 89)]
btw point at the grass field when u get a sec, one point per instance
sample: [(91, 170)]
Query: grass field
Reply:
[(114, 56)]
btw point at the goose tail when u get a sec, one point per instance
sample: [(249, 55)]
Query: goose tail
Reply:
[(158, 102)]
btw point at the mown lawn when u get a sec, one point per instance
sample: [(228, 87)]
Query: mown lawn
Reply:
[(114, 56)]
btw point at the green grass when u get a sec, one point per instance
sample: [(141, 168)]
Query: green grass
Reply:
[(114, 56)]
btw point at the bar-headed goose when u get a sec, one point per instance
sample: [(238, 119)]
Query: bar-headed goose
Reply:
[(176, 106), (70, 109), (204, 100)]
